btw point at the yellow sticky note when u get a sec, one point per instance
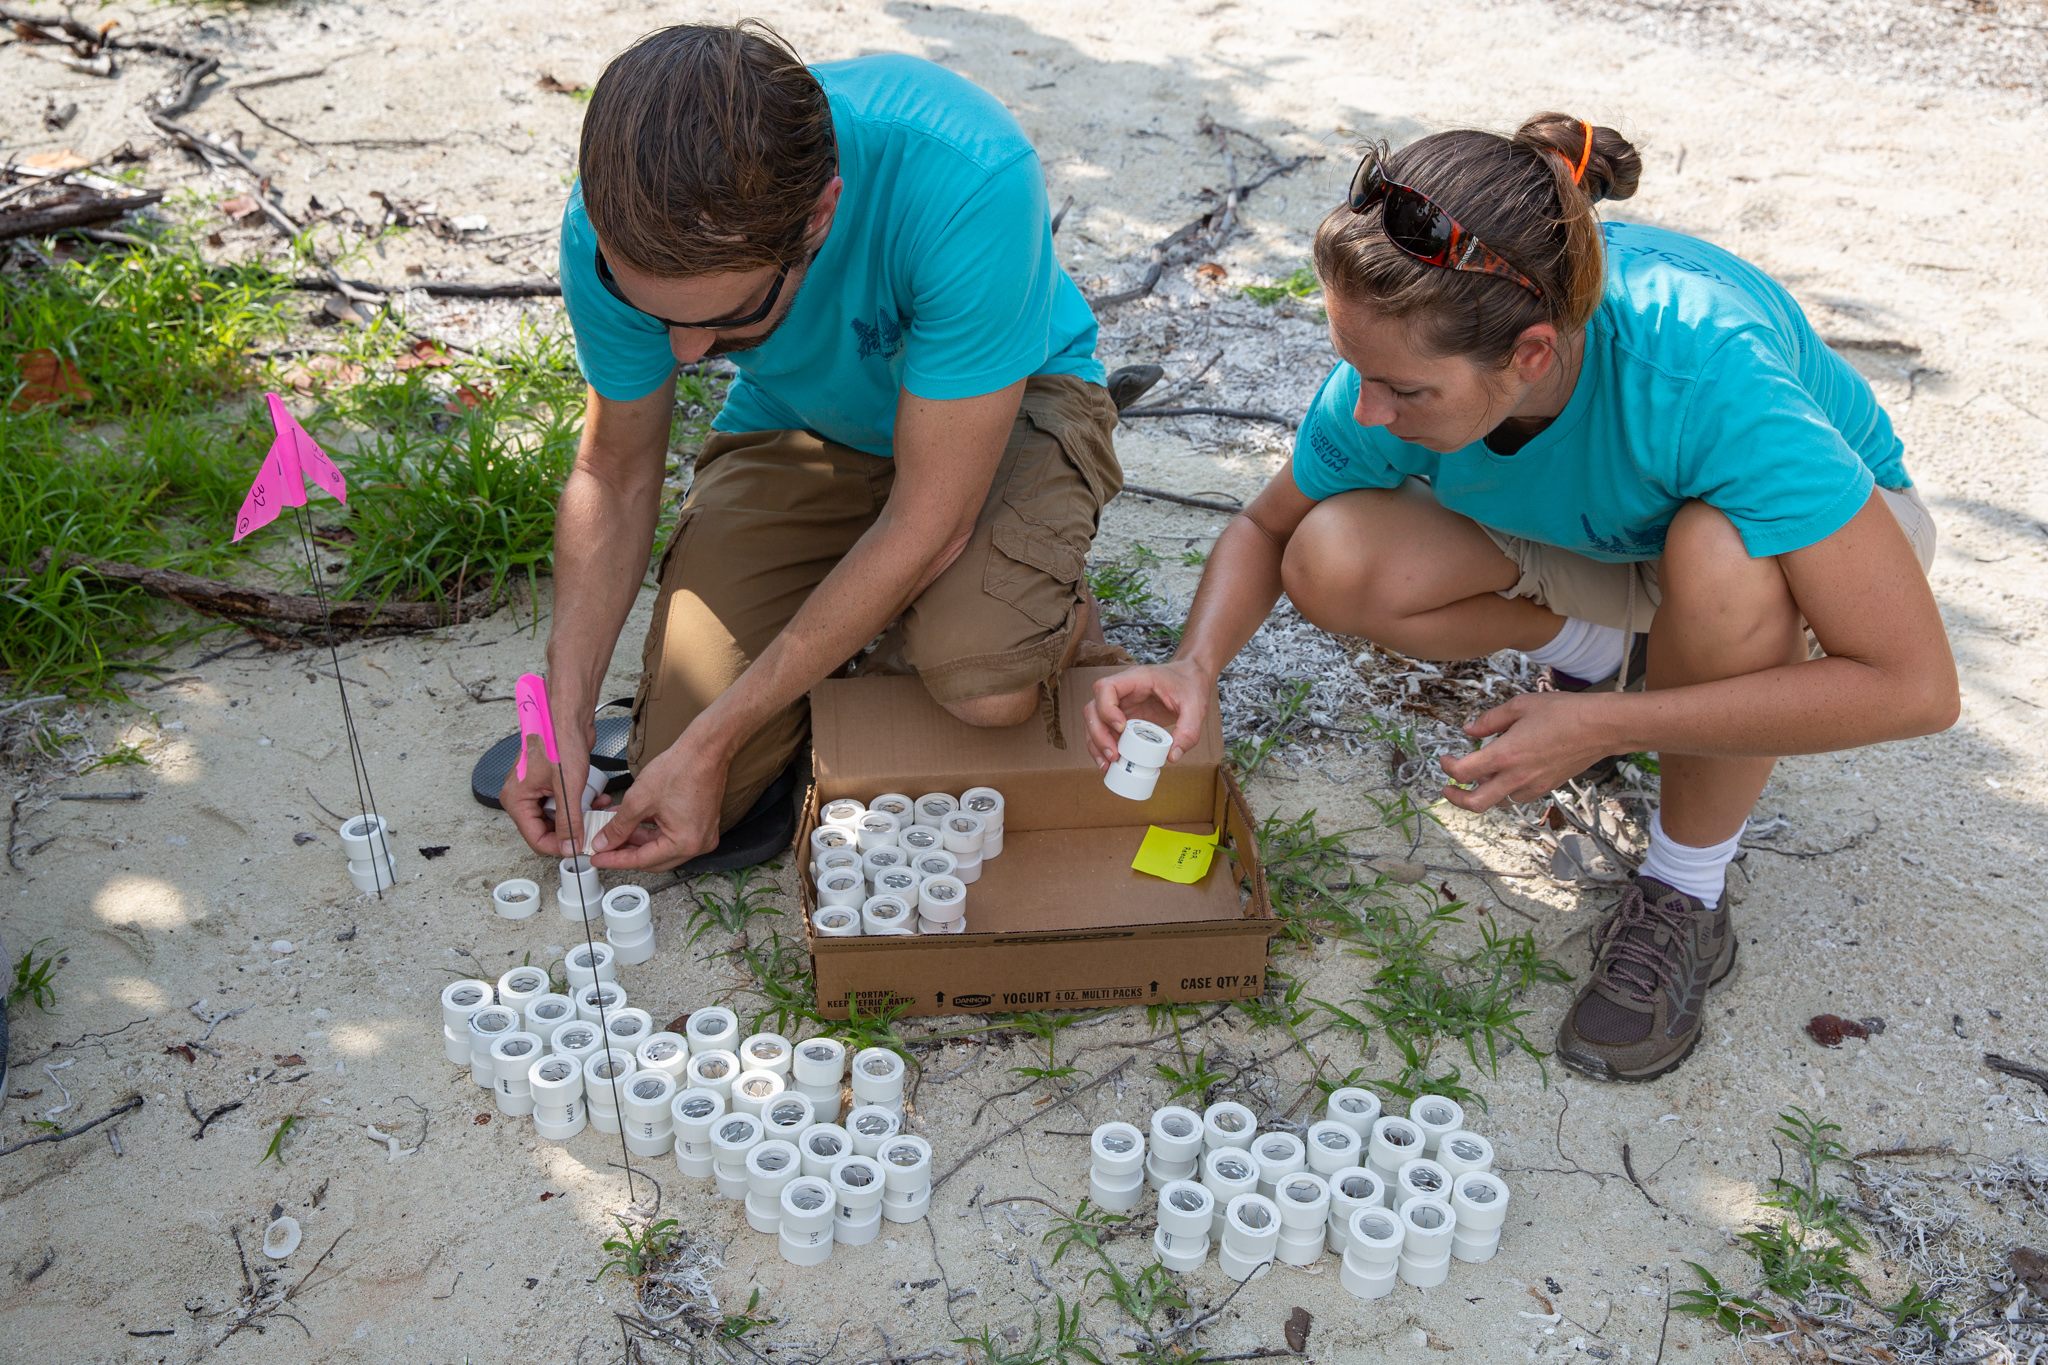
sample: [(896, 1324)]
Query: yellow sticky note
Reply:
[(1177, 857)]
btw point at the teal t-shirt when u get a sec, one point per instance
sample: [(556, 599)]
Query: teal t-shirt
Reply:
[(938, 274), (1702, 380)]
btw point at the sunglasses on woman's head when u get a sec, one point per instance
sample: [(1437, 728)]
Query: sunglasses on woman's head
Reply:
[(747, 319), (1422, 230)]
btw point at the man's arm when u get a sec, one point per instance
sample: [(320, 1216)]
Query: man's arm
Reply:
[(604, 530), (947, 453)]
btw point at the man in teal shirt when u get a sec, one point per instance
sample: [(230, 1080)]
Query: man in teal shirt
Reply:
[(917, 445)]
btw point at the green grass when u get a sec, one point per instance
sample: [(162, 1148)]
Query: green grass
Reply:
[(154, 331), (1424, 1004), (286, 1126), (1803, 1257), (744, 899), (35, 978), (638, 1247), (1301, 284), (454, 465), (1067, 1341), (1046, 1028)]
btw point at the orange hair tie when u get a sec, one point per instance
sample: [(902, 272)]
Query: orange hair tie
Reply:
[(1585, 153)]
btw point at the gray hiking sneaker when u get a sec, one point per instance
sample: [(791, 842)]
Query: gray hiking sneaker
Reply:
[(1643, 1005)]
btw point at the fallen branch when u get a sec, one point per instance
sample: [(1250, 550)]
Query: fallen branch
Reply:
[(1026, 1121), (443, 289), (2012, 1068), (82, 213), (127, 1106), (1139, 490), (235, 602), (206, 1121), (102, 796), (1209, 230), (1242, 414)]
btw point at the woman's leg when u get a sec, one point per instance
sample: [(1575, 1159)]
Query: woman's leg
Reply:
[(1723, 615), (1393, 566)]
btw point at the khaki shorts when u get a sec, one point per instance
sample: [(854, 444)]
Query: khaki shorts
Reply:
[(770, 513), (1626, 596)]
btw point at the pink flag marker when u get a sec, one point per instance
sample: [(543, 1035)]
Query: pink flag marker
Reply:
[(294, 458), (531, 694)]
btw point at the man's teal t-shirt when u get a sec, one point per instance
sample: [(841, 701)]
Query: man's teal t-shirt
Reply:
[(1702, 379), (937, 276)]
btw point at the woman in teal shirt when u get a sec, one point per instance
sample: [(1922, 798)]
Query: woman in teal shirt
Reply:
[(1624, 452)]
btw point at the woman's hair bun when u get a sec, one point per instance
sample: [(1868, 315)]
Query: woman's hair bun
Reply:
[(1613, 167)]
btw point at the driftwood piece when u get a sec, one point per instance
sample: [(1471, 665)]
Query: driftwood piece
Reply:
[(235, 602), (79, 213), (444, 289)]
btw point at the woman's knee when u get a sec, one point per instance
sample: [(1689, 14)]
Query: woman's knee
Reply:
[(1715, 588), (1330, 566)]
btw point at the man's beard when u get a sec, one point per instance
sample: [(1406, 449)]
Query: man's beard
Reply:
[(751, 343)]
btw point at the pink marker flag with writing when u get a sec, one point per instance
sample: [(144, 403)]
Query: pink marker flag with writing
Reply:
[(294, 458), (531, 693)]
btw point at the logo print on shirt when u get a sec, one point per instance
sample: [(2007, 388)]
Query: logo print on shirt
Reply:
[(884, 339), (1629, 544)]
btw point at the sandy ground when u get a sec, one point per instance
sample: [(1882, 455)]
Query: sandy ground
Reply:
[(1904, 209)]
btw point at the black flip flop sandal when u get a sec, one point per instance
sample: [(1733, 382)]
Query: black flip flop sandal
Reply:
[(608, 754)]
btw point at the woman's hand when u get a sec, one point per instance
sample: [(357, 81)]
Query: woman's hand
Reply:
[(1540, 740), (1175, 695)]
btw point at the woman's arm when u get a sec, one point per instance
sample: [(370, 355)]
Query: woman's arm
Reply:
[(1888, 675), (1240, 584)]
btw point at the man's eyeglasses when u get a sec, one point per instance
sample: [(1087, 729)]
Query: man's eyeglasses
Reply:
[(747, 319), (1422, 230)]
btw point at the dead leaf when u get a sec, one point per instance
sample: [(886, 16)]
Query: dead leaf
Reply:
[(241, 208), (288, 1059), (559, 87), (1435, 1342), (2031, 1267), (1830, 1029), (321, 372), (1211, 273), (482, 1119), (47, 378), (181, 1050), (546, 1195), (55, 163), (1546, 1305), (426, 353), (467, 397), (1298, 1324)]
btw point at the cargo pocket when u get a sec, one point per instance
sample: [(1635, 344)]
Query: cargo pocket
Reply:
[(1039, 537)]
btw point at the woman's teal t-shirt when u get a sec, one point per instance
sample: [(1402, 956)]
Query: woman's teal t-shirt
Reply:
[(1702, 379), (938, 275)]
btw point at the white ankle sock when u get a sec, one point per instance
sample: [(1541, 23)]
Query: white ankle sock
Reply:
[(1700, 872), (1586, 651)]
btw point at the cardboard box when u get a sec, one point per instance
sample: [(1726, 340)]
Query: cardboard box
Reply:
[(1060, 920)]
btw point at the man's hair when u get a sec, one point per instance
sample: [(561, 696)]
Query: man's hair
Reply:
[(704, 149)]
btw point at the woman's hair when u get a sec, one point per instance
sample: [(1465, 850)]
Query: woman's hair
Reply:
[(704, 149), (1516, 195)]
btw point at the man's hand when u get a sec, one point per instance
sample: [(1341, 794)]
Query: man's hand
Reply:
[(670, 815), (575, 735), (1540, 740), (1175, 695)]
